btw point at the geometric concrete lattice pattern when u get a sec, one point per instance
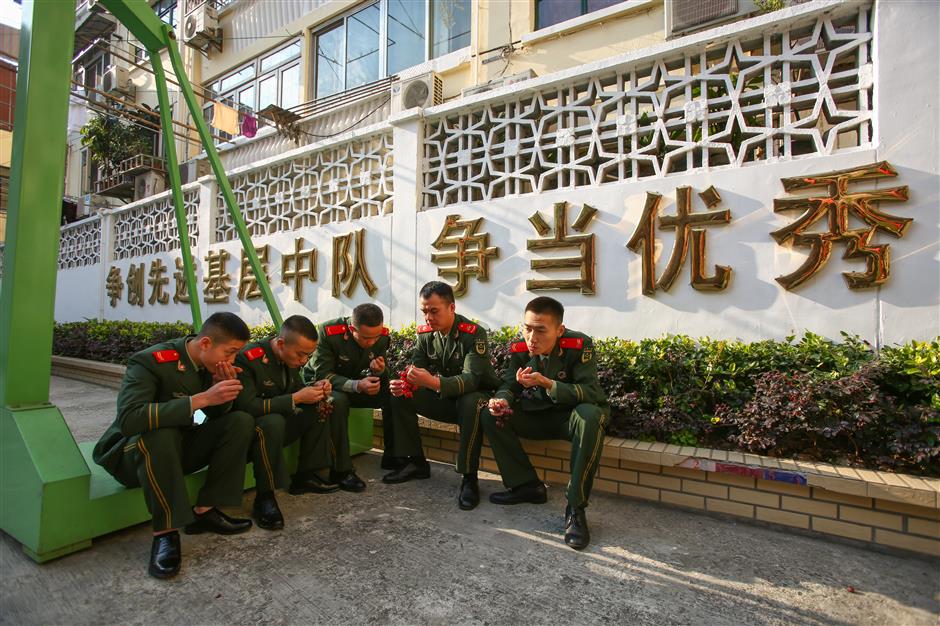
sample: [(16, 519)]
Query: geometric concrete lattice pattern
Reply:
[(345, 182), (775, 95), (151, 227), (80, 243)]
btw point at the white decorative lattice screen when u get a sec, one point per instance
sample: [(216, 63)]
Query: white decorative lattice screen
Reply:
[(349, 181), (781, 94), (80, 244), (151, 227)]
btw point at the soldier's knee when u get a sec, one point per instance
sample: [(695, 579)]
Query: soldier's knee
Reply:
[(590, 414), (468, 403), (272, 423), (487, 419), (240, 423), (162, 440), (340, 401)]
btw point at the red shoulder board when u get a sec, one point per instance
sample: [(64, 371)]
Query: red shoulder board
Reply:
[(572, 343), (385, 331), (255, 353), (336, 329), (520, 346), (425, 328), (166, 356), (467, 328)]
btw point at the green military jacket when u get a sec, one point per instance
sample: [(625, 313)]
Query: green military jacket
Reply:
[(339, 358), (571, 364), (155, 393), (267, 383), (461, 358)]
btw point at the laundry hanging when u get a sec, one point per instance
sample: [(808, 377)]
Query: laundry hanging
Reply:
[(224, 118)]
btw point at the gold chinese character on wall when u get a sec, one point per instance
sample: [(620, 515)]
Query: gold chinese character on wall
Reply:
[(837, 207), (350, 268), (248, 288), (157, 281), (114, 285), (217, 288), (182, 289), (297, 266), (465, 251), (557, 238), (135, 285), (683, 222)]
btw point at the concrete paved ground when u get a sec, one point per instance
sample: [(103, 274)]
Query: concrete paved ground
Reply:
[(406, 554)]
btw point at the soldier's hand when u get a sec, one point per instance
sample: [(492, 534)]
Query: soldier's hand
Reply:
[(326, 385), (309, 395), (420, 377), (397, 387), (522, 377), (225, 371), (377, 365), (497, 406), (220, 393), (534, 379), (370, 385)]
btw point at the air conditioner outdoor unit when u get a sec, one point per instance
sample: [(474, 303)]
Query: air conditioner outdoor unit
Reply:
[(423, 90), (686, 16), (201, 26), (148, 184), (496, 83), (116, 79)]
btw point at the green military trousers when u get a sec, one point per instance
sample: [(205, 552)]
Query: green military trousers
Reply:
[(463, 410), (583, 427), (274, 431), (158, 461), (343, 401)]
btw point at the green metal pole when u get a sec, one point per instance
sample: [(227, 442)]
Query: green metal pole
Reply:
[(212, 154), (169, 140), (27, 296)]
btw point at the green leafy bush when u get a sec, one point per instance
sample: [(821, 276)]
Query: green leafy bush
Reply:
[(806, 397)]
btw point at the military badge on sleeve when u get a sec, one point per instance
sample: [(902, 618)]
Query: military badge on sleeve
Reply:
[(562, 375), (481, 347), (586, 355)]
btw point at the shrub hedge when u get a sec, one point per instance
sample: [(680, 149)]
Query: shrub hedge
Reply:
[(805, 398)]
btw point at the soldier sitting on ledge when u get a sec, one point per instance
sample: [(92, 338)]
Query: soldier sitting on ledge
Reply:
[(284, 410), (550, 391), (155, 439)]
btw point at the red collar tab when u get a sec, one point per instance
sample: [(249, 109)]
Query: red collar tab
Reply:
[(519, 346), (255, 353), (467, 328), (166, 356), (336, 329), (571, 343), (425, 328), (385, 331)]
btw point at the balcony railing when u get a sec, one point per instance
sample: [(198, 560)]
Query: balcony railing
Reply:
[(119, 182)]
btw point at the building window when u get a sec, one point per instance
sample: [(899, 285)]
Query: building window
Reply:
[(166, 11), (550, 12), (385, 37), (273, 78)]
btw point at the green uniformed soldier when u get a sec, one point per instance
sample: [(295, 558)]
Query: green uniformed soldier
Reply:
[(155, 439), (284, 411), (551, 391), (351, 356), (450, 374)]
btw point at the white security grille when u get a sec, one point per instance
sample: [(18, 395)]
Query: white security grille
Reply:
[(780, 94), (151, 227), (345, 182), (80, 244)]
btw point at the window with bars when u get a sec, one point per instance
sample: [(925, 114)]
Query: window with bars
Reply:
[(551, 12), (385, 37)]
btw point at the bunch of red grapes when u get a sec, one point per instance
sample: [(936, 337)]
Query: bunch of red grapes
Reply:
[(407, 389), (325, 408)]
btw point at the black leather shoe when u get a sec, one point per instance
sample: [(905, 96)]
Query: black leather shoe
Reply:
[(469, 496), (266, 512), (416, 469), (312, 484), (348, 481), (577, 534), (532, 493), (165, 555), (215, 521), (393, 462)]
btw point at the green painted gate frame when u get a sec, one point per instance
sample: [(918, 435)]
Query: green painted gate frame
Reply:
[(47, 490)]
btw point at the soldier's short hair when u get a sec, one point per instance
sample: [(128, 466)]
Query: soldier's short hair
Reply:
[(224, 327), (367, 314), (439, 289), (544, 304), (298, 325)]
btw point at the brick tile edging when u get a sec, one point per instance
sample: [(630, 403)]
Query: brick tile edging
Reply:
[(879, 508)]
